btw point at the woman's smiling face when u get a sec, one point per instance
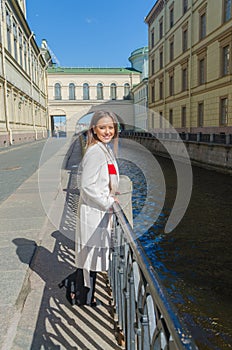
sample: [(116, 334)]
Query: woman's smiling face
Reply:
[(104, 129)]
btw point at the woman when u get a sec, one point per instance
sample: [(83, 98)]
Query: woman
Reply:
[(99, 182)]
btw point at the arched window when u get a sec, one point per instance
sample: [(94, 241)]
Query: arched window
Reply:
[(126, 91), (113, 91), (57, 91), (72, 91), (100, 91), (85, 91)]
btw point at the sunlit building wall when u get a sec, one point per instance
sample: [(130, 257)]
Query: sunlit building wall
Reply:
[(23, 97), (139, 61), (73, 92), (190, 65)]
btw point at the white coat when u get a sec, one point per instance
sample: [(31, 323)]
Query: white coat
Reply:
[(93, 234)]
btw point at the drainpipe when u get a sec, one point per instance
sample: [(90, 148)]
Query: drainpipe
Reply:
[(164, 63), (190, 65), (32, 94), (48, 124), (3, 36), (39, 85)]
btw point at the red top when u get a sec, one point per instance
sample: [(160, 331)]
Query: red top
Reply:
[(111, 169)]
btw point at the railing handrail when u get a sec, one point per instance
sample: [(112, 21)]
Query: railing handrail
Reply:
[(179, 332), (209, 138)]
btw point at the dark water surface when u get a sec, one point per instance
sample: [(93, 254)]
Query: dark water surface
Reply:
[(194, 261)]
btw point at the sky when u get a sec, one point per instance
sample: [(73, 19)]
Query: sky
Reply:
[(90, 33)]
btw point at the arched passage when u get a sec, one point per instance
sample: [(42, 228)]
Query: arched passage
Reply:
[(75, 113)]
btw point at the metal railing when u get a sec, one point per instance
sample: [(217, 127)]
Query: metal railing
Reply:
[(143, 310), (222, 138)]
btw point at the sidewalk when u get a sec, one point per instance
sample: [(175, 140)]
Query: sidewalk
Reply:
[(34, 311)]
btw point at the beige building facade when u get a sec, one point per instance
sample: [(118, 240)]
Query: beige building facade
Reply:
[(23, 87), (190, 65), (139, 61), (76, 92), (140, 94)]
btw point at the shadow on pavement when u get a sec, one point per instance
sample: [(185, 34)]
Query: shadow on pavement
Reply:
[(60, 325)]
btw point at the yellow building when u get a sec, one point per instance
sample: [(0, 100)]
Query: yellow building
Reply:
[(23, 97), (190, 65)]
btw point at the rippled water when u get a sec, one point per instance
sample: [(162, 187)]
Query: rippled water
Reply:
[(194, 260)]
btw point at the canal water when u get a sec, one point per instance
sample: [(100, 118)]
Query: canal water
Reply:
[(194, 261)]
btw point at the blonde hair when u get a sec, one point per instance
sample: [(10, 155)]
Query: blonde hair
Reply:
[(92, 137)]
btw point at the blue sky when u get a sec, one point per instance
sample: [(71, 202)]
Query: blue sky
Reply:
[(90, 33)]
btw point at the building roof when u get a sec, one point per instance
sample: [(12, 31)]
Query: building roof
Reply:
[(140, 51), (86, 70)]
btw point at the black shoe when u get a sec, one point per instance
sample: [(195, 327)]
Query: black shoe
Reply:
[(95, 303)]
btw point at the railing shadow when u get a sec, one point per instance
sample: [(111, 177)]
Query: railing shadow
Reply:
[(60, 325)]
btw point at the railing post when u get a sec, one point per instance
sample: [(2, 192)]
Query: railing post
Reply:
[(132, 310), (212, 137), (145, 332), (228, 139)]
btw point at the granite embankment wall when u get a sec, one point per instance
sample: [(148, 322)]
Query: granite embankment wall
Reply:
[(208, 155)]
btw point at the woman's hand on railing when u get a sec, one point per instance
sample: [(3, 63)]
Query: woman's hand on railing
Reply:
[(116, 200)]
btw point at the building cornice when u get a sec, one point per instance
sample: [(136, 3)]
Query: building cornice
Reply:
[(155, 11), (25, 27)]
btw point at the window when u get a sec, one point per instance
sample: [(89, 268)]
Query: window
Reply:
[(227, 10), (161, 29), (57, 91), (8, 25), (29, 61), (15, 33), (202, 26), (184, 79), (171, 116), (161, 89), (85, 91), (171, 85), (171, 50), (25, 55), (100, 91), (185, 39), (202, 62), (226, 60), (113, 91), (153, 120), (171, 16), (153, 94), (161, 119), (224, 111), (34, 68), (200, 114), (152, 39), (152, 66), (126, 91), (183, 117), (185, 6), (202, 71), (72, 91), (20, 48), (161, 59)]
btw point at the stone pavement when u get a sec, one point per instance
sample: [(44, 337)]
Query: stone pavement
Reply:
[(36, 253), (37, 227)]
